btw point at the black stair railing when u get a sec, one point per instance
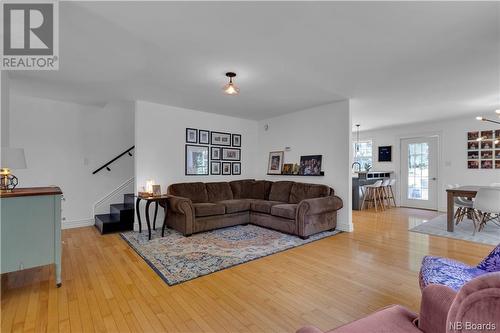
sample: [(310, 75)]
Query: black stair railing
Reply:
[(106, 166)]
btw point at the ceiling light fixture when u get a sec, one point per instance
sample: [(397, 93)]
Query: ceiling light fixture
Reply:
[(231, 88), (490, 120)]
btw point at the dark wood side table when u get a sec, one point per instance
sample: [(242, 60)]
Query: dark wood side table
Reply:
[(161, 200)]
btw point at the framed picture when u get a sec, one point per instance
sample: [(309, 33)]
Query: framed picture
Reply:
[(275, 162), (472, 135), (497, 154), (497, 164), (203, 137), (156, 190), (215, 153), (220, 139), (196, 160), (215, 168), (236, 140), (473, 145), (236, 168), (310, 165), (486, 154), (473, 164), (486, 164), (497, 134), (231, 154), (486, 144), (287, 169), (487, 135), (473, 155), (226, 168), (385, 153), (191, 135)]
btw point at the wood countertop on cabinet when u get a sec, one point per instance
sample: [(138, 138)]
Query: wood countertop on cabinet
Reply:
[(31, 191)]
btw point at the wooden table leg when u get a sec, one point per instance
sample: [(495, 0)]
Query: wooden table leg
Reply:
[(164, 224), (148, 203), (137, 201), (156, 213), (449, 211)]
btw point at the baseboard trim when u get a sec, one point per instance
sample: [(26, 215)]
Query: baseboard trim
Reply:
[(78, 223)]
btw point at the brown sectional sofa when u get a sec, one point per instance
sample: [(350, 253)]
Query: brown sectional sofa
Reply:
[(295, 208)]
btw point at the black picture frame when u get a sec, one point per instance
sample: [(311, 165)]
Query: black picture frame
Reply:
[(200, 138), (212, 164), (186, 168), (236, 140), (213, 155), (385, 153), (310, 165), (225, 139), (238, 166), (191, 138), (226, 150), (227, 171)]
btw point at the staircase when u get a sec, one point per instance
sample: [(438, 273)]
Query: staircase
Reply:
[(120, 217)]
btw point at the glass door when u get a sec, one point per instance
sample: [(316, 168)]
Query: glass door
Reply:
[(419, 172)]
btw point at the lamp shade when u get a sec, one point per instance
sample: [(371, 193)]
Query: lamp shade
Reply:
[(12, 158)]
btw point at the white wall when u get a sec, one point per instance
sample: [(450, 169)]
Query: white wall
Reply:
[(453, 155), (64, 142), (323, 130), (160, 138), (5, 108)]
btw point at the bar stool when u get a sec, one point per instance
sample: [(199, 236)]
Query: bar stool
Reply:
[(390, 192), (385, 193), (373, 195)]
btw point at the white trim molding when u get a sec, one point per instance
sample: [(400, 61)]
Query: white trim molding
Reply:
[(77, 223)]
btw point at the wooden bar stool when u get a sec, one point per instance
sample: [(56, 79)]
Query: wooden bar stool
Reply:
[(390, 192), (373, 195)]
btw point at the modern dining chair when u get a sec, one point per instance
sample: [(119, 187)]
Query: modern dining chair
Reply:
[(465, 207), (487, 206)]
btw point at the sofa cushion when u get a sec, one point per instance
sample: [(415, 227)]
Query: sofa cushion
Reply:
[(241, 188), (280, 191), (208, 209), (197, 192), (285, 210), (301, 191), (219, 191), (236, 205), (263, 206)]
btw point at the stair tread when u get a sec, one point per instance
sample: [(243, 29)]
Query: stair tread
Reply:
[(122, 206), (108, 218)]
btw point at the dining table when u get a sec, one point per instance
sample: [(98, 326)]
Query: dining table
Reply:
[(468, 191)]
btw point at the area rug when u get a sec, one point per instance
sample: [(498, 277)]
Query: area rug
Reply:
[(178, 259), (437, 226)]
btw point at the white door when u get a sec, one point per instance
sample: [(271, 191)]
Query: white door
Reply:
[(419, 172)]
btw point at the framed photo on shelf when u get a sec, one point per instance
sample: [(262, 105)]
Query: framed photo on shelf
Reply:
[(214, 153), (156, 190), (226, 168), (220, 139), (310, 165), (287, 169), (196, 162), (275, 163), (191, 135), (215, 168), (236, 168), (231, 154), (236, 140), (203, 137)]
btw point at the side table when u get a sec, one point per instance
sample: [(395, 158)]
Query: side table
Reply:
[(161, 200)]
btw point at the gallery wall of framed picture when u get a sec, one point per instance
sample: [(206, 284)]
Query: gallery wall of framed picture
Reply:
[(483, 149), (212, 153)]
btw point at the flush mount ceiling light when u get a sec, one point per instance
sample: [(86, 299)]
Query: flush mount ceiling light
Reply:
[(231, 88)]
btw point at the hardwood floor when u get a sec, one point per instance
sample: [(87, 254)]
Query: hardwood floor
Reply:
[(108, 287)]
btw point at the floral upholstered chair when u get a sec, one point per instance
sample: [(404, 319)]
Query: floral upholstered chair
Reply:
[(454, 274)]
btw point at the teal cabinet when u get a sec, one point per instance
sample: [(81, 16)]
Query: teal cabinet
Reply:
[(31, 229)]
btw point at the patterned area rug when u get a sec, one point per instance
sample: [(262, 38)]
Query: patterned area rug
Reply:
[(437, 226), (178, 259)]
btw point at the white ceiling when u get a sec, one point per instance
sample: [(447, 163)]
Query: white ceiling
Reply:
[(398, 62)]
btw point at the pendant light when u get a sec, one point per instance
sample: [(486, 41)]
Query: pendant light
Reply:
[(231, 88), (357, 139)]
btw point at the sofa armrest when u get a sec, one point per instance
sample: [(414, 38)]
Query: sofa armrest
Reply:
[(309, 329), (436, 302), (180, 215), (320, 205)]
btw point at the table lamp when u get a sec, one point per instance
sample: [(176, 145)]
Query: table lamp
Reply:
[(12, 158)]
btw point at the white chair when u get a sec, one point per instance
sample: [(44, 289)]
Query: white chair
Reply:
[(390, 192), (385, 195), (373, 195), (487, 206)]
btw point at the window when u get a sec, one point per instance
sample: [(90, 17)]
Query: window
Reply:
[(363, 153), (418, 171)]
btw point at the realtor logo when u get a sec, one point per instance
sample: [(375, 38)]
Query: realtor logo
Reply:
[(30, 36)]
